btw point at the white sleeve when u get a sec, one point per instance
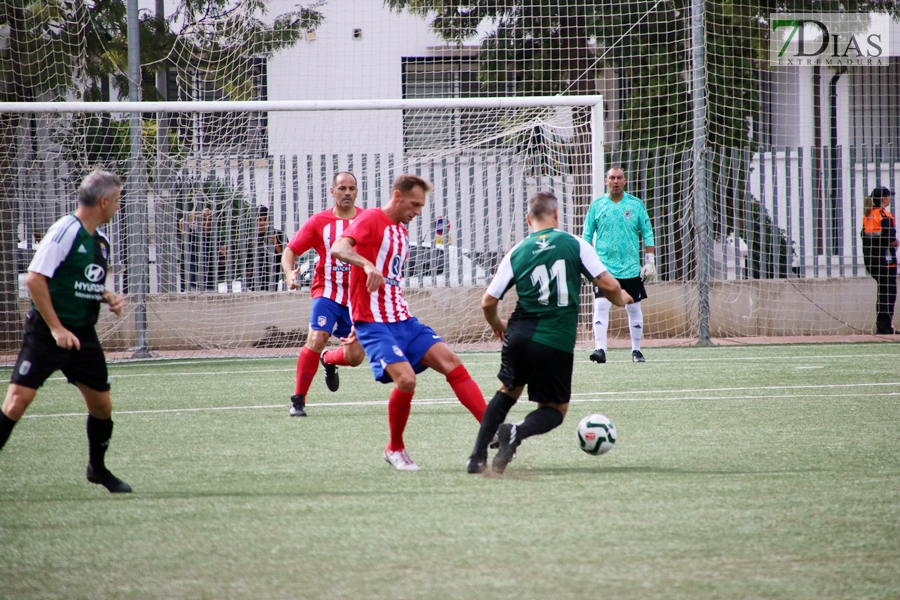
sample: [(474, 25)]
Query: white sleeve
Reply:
[(590, 260), (502, 278), (55, 246)]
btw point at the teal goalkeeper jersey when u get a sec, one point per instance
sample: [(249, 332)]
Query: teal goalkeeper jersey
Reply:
[(616, 229), (546, 269)]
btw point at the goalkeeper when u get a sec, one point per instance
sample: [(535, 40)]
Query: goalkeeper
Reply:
[(615, 225)]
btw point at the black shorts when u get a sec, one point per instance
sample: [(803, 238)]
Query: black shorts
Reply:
[(546, 370), (633, 285), (39, 357)]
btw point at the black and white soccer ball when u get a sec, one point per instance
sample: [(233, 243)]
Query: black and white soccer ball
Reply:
[(596, 434)]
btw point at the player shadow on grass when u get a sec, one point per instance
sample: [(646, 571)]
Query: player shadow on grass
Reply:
[(602, 470)]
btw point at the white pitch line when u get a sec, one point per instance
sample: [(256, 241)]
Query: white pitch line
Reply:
[(756, 387), (742, 397), (473, 363), (444, 401)]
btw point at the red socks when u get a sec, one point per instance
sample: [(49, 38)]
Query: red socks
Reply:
[(399, 403), (467, 391), (307, 365), (335, 357), (398, 414)]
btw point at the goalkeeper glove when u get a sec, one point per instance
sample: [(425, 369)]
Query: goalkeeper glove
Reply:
[(648, 271)]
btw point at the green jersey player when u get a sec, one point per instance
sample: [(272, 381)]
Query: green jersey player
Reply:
[(539, 337), (616, 224), (67, 282)]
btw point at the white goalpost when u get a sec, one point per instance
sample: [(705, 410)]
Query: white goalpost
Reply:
[(189, 247)]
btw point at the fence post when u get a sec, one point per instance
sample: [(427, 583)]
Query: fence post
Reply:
[(136, 212), (698, 82)]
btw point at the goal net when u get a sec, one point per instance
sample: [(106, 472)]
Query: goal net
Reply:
[(197, 246), (754, 172)]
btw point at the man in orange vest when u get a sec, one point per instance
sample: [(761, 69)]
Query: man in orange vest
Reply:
[(879, 237)]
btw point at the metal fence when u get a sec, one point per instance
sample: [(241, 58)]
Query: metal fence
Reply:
[(772, 214)]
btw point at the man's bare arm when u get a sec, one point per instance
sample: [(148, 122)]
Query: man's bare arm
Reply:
[(40, 295), (489, 306), (343, 250)]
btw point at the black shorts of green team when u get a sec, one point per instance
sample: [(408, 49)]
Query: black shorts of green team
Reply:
[(633, 285), (40, 357), (547, 371)]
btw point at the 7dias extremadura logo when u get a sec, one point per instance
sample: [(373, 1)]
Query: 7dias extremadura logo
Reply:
[(829, 39)]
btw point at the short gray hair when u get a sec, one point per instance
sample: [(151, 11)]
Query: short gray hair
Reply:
[(542, 204), (96, 185)]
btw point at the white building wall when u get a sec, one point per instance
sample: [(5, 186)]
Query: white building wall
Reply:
[(337, 66)]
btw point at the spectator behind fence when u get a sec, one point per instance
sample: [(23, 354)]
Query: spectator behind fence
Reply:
[(264, 254), (202, 252), (879, 241)]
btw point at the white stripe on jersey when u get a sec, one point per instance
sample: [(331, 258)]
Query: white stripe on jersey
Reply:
[(54, 248), (589, 259), (383, 253), (504, 275), (333, 282), (387, 303), (398, 302), (329, 275)]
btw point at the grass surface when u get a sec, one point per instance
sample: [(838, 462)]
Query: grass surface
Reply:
[(740, 472)]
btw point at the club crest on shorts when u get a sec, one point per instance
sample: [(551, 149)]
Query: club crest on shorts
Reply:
[(322, 320), (397, 351), (25, 367)]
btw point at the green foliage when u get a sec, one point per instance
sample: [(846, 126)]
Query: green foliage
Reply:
[(545, 47), (107, 142), (221, 38), (56, 47), (770, 252), (37, 56)]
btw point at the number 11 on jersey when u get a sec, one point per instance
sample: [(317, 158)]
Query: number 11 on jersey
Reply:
[(540, 277)]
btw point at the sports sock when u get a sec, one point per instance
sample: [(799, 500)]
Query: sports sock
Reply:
[(307, 365), (635, 324), (6, 427), (398, 414), (99, 432), (467, 391), (601, 322), (539, 421), (335, 357), (494, 415)]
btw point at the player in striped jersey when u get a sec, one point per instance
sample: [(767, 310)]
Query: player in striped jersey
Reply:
[(330, 292), (397, 344)]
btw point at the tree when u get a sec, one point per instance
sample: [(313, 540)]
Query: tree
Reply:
[(548, 48)]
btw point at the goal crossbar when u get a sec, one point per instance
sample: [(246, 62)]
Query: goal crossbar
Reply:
[(298, 105), (595, 102)]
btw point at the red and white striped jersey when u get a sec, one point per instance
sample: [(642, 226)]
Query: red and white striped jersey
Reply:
[(386, 244), (332, 277)]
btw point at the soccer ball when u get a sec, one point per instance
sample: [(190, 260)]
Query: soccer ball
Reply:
[(596, 434)]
